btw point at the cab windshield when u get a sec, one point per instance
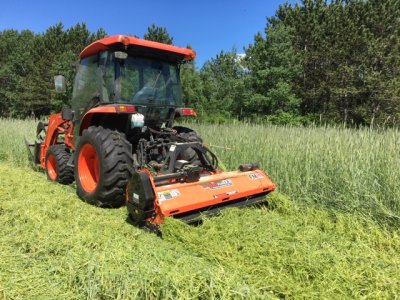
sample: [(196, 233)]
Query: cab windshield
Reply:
[(140, 81)]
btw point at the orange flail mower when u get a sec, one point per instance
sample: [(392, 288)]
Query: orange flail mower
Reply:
[(119, 144)]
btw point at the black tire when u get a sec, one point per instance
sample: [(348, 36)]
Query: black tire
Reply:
[(188, 135), (57, 157), (113, 155)]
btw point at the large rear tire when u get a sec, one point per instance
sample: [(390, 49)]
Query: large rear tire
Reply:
[(103, 166), (57, 169), (189, 135)]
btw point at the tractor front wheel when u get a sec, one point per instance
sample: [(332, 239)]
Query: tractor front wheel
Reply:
[(57, 168), (103, 166)]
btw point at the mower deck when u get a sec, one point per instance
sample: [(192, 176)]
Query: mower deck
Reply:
[(189, 200)]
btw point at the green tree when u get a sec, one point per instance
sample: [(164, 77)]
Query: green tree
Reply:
[(9, 76), (192, 86), (16, 65), (28, 63), (158, 34), (47, 48), (273, 67), (223, 85), (349, 57), (77, 38), (381, 61)]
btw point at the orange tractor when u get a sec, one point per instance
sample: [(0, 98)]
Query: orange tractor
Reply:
[(119, 145)]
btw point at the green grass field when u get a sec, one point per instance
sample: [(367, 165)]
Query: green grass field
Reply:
[(334, 236)]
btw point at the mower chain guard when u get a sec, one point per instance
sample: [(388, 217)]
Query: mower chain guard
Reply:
[(140, 197)]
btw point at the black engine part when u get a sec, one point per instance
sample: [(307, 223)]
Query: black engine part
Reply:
[(248, 167), (140, 197)]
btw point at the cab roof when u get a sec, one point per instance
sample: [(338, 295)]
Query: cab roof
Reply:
[(109, 43)]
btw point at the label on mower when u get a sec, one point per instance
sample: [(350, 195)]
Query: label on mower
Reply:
[(169, 194), (227, 194), (254, 176), (218, 184)]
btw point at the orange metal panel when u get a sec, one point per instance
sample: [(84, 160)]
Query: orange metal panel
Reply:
[(105, 43), (178, 198), (56, 127), (102, 109)]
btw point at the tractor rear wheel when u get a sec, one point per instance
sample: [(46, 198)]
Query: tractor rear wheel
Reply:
[(57, 169), (188, 135), (103, 166)]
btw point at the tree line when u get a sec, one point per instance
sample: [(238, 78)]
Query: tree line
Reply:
[(316, 61)]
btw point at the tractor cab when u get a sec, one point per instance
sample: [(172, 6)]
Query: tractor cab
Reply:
[(118, 77)]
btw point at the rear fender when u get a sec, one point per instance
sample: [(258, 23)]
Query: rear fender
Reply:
[(87, 119)]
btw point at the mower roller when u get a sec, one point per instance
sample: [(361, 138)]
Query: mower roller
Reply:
[(119, 144)]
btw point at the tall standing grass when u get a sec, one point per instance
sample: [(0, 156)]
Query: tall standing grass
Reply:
[(346, 169), (12, 134)]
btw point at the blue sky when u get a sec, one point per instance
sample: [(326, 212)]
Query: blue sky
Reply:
[(209, 26)]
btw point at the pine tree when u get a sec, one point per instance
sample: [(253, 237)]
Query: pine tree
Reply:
[(192, 86), (222, 79), (273, 68), (158, 34)]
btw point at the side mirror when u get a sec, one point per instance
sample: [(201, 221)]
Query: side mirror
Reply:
[(60, 84), (66, 113)]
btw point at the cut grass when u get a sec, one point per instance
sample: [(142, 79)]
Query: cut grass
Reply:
[(54, 246)]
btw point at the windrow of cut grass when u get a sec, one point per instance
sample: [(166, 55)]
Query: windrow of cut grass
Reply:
[(54, 246), (337, 168)]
